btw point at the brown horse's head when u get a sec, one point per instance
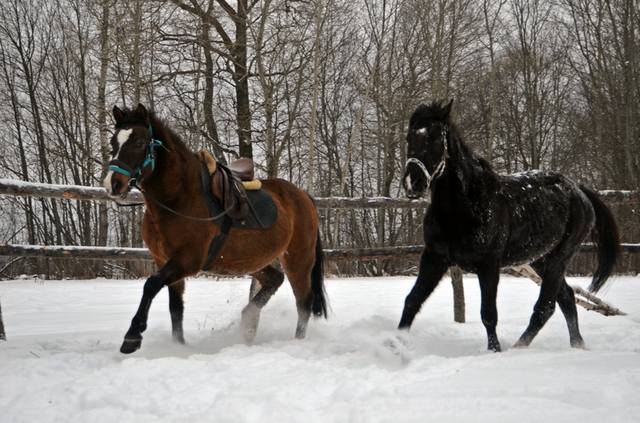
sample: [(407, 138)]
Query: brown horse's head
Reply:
[(132, 150)]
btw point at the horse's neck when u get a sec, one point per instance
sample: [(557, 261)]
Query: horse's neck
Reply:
[(463, 170), (176, 172)]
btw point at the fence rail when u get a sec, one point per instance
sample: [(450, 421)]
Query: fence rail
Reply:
[(13, 187), (118, 253)]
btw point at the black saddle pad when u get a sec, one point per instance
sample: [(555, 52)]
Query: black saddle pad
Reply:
[(263, 212)]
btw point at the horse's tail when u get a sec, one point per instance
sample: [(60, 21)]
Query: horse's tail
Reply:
[(606, 238), (319, 304)]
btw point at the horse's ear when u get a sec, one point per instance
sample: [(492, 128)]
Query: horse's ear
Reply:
[(447, 108), (118, 114), (142, 111)]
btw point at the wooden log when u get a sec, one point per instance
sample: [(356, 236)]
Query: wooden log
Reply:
[(602, 307), (13, 187), (589, 302), (114, 253), (107, 253), (65, 192), (372, 253), (369, 203)]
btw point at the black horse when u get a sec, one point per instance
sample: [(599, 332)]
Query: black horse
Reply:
[(482, 221)]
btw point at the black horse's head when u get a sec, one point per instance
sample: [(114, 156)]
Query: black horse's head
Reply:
[(132, 150), (426, 146)]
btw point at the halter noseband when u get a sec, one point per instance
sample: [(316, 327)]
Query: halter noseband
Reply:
[(118, 166), (441, 165)]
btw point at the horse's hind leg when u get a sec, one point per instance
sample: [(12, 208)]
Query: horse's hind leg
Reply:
[(567, 303), (299, 275), (301, 285), (176, 309), (270, 280), (552, 279)]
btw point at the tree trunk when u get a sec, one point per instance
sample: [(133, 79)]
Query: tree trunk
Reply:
[(103, 218)]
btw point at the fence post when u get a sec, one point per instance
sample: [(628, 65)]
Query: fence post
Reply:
[(458, 294), (3, 336)]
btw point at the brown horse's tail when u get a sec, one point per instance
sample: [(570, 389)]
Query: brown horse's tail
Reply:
[(606, 238), (319, 304)]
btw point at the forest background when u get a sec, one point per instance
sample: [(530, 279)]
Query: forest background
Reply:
[(317, 92)]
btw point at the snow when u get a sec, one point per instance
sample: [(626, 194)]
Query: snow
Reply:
[(61, 361)]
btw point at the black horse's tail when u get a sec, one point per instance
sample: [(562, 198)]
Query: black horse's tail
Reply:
[(319, 304), (606, 238)]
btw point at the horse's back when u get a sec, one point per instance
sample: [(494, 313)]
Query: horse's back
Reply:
[(543, 207), (289, 196)]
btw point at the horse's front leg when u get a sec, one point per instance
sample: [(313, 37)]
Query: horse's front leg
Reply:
[(169, 273), (432, 268), (489, 276)]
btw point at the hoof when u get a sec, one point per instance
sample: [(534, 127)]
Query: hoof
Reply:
[(521, 344), (494, 347), (579, 344), (178, 338), (130, 345), (250, 319), (301, 332)]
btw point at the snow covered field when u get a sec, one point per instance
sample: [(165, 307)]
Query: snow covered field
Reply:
[(61, 361)]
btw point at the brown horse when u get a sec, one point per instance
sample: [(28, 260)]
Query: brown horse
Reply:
[(147, 153)]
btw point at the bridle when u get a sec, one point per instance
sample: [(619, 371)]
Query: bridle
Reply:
[(136, 177), (441, 165)]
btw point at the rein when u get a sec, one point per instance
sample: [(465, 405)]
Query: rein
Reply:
[(441, 165), (177, 213)]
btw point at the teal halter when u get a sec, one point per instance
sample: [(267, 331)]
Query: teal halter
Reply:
[(118, 166)]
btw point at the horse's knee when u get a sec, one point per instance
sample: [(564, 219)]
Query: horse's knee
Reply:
[(545, 310), (152, 286)]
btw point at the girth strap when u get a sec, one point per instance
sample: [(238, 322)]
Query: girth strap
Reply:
[(218, 241)]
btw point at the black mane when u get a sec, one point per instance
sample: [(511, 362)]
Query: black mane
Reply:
[(435, 111)]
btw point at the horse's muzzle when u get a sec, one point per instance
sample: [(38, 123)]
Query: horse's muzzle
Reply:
[(116, 185), (413, 187)]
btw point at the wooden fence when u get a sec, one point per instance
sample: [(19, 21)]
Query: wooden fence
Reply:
[(11, 187), (75, 192)]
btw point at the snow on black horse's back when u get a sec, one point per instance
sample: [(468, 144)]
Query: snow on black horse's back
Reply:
[(482, 221)]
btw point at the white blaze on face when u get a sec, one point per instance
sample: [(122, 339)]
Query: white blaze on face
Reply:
[(421, 131), (407, 181), (122, 137)]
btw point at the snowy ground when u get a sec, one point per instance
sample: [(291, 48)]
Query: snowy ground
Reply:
[(61, 361)]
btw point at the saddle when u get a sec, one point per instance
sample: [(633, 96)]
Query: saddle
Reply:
[(236, 198), (227, 184), (234, 190)]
